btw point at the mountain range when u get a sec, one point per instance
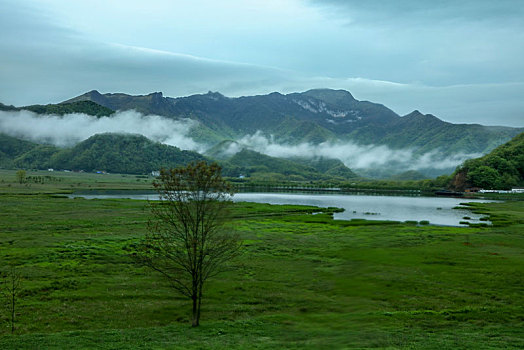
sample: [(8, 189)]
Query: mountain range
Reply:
[(309, 129), (314, 116)]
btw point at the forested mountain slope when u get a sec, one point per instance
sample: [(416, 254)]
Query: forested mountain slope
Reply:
[(503, 168)]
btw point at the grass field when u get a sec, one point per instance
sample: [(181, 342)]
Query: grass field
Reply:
[(67, 182), (303, 281)]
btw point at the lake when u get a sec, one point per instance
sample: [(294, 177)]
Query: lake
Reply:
[(436, 210)]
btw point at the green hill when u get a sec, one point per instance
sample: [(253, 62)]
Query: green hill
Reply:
[(426, 133), (121, 153), (12, 147), (238, 160), (116, 153), (503, 168), (293, 131), (254, 164), (37, 158), (223, 150), (328, 166)]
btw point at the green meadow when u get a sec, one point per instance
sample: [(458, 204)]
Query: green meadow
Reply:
[(304, 280)]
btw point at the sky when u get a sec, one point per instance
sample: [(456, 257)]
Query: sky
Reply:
[(461, 61)]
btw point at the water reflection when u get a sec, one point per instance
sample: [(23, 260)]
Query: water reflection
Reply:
[(436, 210)]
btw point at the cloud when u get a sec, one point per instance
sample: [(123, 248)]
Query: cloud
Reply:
[(70, 129), (353, 155), (434, 160), (232, 149), (447, 10)]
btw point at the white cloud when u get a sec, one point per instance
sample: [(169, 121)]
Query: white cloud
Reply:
[(70, 129), (353, 155)]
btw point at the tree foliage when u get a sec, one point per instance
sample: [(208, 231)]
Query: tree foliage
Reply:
[(10, 148), (20, 176), (503, 168), (186, 240)]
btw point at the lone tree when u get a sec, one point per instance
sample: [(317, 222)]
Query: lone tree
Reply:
[(186, 241), (11, 289)]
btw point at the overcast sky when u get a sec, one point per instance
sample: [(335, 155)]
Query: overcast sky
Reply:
[(462, 61)]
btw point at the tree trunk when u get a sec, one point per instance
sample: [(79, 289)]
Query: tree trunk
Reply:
[(198, 305), (196, 312), (13, 312)]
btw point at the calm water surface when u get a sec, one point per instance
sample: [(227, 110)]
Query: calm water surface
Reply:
[(436, 210)]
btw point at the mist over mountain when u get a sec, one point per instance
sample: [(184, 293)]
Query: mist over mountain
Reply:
[(116, 153), (70, 129), (320, 123), (313, 116)]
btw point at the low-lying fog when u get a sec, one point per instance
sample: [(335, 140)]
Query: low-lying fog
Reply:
[(70, 129)]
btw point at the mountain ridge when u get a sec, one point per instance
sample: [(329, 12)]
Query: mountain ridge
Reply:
[(315, 117), (336, 111)]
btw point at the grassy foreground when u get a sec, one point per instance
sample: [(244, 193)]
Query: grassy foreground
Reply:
[(304, 281)]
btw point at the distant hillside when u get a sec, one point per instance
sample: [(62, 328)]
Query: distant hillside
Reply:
[(10, 148), (116, 153), (85, 107), (503, 168), (37, 158), (121, 153), (409, 175), (251, 163), (328, 166), (224, 150), (240, 160), (4, 107), (426, 133)]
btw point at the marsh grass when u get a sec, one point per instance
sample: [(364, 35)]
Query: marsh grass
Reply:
[(303, 281)]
